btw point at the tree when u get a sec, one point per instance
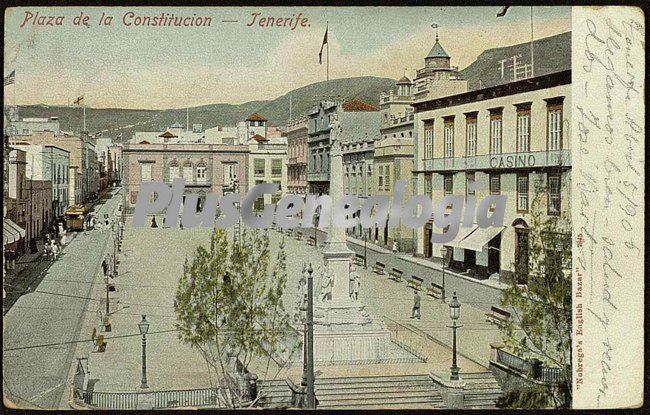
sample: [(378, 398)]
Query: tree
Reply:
[(541, 308), (229, 305)]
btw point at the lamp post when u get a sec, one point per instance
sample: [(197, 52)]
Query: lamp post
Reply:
[(443, 252), (144, 328), (108, 306), (365, 248), (316, 218), (311, 396), (454, 313)]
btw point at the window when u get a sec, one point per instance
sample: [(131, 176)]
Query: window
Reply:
[(201, 173), (554, 126), (228, 174), (522, 193), (471, 134), (276, 167), (553, 194), (174, 172), (380, 178), (495, 184), (259, 166), (134, 197), (145, 171), (428, 139), (428, 184), (449, 184), (469, 181), (449, 137), (387, 182), (188, 173), (496, 120), (523, 128), (279, 185)]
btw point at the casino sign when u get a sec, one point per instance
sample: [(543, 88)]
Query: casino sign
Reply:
[(512, 160)]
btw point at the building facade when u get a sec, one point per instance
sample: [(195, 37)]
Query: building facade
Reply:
[(351, 115), (297, 149), (50, 163), (207, 168), (512, 140), (267, 159)]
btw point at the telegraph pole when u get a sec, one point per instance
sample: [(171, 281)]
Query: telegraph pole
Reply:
[(311, 396)]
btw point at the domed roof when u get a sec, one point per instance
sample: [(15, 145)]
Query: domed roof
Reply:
[(437, 51), (404, 80)]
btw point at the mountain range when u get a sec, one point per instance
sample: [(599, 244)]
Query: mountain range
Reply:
[(552, 54)]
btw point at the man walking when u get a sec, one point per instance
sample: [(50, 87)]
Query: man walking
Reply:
[(415, 313)]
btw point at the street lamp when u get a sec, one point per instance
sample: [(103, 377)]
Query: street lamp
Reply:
[(107, 298), (365, 248), (144, 329), (443, 252), (311, 396), (454, 314)]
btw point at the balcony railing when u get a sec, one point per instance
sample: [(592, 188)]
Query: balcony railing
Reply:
[(501, 161), (529, 368)]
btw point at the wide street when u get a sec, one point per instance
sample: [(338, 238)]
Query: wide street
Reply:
[(42, 327)]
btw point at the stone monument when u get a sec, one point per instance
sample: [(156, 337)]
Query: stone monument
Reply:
[(343, 330)]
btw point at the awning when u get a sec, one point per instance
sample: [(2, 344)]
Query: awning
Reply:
[(11, 232), (462, 234), (480, 237)]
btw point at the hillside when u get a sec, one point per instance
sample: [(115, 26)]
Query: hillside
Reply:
[(114, 121), (552, 54)]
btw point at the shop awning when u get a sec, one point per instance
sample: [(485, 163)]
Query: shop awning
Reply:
[(462, 234), (480, 237), (11, 232)]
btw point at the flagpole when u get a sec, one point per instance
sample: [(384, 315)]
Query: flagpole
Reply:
[(532, 55), (84, 108), (328, 52)]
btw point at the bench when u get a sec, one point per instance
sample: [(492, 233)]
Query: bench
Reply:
[(497, 316), (359, 259), (415, 282), (434, 290), (311, 241), (298, 235), (395, 275), (379, 268)]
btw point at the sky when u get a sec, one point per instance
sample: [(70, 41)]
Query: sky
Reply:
[(231, 62)]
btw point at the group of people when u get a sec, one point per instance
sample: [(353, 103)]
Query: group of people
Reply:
[(54, 242)]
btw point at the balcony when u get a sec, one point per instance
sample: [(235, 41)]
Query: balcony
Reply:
[(505, 161), (318, 176)]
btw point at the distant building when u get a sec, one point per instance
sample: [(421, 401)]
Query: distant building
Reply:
[(207, 168), (267, 158), (513, 140), (29, 126), (176, 133), (297, 149)]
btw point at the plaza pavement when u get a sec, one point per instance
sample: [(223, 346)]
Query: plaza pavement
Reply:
[(151, 264), (41, 327)]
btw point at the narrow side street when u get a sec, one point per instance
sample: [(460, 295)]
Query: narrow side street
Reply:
[(41, 328)]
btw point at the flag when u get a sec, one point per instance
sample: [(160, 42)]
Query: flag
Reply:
[(11, 78), (320, 54), (503, 11), (79, 100)]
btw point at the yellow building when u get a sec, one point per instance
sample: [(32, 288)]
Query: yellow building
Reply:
[(509, 139)]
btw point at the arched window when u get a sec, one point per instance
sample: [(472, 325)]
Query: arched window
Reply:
[(188, 172)]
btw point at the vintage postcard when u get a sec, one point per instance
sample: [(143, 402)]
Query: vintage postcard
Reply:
[(323, 207)]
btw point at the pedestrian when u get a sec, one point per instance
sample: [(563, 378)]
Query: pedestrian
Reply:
[(351, 274), (55, 251), (395, 250), (355, 287), (48, 250), (415, 313), (105, 267), (153, 222), (63, 238)]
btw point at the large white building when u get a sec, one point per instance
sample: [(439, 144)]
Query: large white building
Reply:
[(49, 163), (513, 139)]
